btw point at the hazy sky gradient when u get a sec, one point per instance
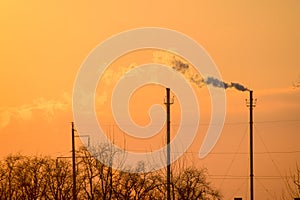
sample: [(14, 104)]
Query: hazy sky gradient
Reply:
[(256, 43)]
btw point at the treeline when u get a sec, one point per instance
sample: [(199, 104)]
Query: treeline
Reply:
[(40, 177)]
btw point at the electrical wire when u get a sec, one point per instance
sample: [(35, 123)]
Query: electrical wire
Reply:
[(247, 177), (226, 123), (228, 168), (243, 153), (277, 121), (239, 188), (267, 191), (276, 166)]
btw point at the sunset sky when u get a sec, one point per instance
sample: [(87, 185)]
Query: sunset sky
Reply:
[(256, 43)]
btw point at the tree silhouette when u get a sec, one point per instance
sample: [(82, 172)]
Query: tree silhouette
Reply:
[(40, 177), (293, 184), (191, 183)]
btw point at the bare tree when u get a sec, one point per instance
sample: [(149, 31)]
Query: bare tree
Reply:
[(59, 179), (136, 183), (188, 181), (191, 183), (36, 177), (39, 177), (31, 175), (293, 184), (86, 174), (8, 184), (96, 173)]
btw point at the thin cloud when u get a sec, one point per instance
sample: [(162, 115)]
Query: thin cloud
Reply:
[(26, 112), (5, 117)]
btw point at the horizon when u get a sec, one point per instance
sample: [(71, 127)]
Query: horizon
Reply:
[(254, 45)]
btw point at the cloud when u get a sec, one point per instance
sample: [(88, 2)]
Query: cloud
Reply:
[(5, 118), (111, 76), (26, 112)]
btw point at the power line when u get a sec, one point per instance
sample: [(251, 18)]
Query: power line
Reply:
[(239, 188), (278, 121), (246, 177), (234, 156), (233, 153), (226, 123), (257, 153), (276, 166), (268, 192)]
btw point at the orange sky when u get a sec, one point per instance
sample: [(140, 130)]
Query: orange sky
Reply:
[(256, 43)]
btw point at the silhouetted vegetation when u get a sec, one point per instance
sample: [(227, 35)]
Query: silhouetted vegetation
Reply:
[(40, 177), (293, 184)]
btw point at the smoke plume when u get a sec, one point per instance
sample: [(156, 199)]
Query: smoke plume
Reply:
[(239, 87), (185, 69), (296, 84), (216, 83)]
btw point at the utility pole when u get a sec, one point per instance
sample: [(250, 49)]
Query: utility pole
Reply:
[(168, 103), (74, 162), (251, 105)]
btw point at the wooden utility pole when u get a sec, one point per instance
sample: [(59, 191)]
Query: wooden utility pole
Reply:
[(74, 163), (168, 104), (251, 105), (251, 146)]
